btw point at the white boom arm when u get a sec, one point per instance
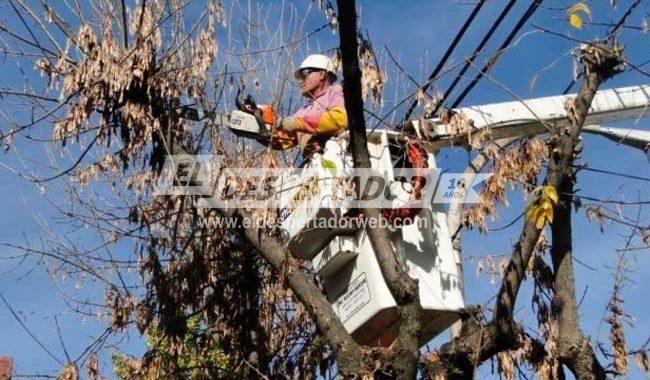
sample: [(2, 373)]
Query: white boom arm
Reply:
[(631, 137), (521, 118)]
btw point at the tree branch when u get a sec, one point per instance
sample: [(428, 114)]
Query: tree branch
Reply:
[(455, 213), (403, 288), (562, 146), (601, 62), (574, 348), (348, 351)]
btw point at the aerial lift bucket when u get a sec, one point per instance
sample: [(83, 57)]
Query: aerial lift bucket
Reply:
[(353, 281), (307, 197)]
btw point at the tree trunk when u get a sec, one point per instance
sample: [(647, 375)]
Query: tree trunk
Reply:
[(600, 63), (403, 288), (574, 348)]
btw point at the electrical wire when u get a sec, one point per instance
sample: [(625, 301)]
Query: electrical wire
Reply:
[(624, 175), (447, 54), (522, 21), (31, 334), (476, 51), (627, 14), (615, 28)]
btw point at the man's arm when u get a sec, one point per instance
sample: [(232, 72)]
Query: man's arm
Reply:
[(328, 123)]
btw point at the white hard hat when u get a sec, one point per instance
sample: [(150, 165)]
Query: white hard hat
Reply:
[(316, 61)]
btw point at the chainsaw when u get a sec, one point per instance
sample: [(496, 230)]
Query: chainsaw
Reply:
[(249, 120)]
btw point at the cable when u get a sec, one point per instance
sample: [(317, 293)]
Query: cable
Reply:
[(570, 85), (507, 225), (524, 18), (445, 57), (625, 16), (624, 203), (615, 28), (31, 334), (629, 176), (285, 46), (474, 54)]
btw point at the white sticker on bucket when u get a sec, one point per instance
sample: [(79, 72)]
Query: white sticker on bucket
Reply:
[(354, 298)]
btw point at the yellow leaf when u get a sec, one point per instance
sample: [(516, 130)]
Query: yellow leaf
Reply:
[(549, 216), (531, 210), (540, 210), (574, 14), (575, 20), (550, 193)]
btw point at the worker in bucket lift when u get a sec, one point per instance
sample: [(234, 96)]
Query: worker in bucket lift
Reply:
[(323, 115)]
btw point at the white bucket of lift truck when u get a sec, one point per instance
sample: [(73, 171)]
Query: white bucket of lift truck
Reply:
[(354, 283), (356, 287), (307, 200)]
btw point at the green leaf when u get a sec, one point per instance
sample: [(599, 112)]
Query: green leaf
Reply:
[(329, 165)]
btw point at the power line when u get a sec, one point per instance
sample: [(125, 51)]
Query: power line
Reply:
[(624, 203), (285, 46), (31, 334), (611, 25), (509, 224), (476, 51), (570, 85), (624, 175), (615, 28), (524, 18), (447, 54), (610, 172), (621, 22)]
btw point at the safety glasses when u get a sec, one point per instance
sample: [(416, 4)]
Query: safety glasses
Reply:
[(303, 73)]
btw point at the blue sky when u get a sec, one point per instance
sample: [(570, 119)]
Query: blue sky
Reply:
[(417, 33)]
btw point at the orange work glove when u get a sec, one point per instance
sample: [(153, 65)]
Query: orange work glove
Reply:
[(268, 114)]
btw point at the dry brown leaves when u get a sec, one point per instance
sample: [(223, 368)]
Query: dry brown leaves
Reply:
[(641, 358), (126, 97), (494, 266), (428, 103), (332, 16), (645, 236), (519, 165), (434, 368), (606, 59), (148, 368), (69, 372), (550, 365), (92, 366), (337, 59), (463, 130), (373, 78), (617, 333), (506, 365), (121, 307), (131, 89), (596, 214)]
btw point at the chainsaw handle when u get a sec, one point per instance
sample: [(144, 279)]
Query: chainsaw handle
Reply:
[(246, 104)]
